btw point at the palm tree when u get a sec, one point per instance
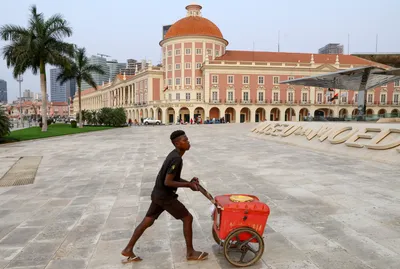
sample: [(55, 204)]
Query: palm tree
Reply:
[(33, 47), (81, 70)]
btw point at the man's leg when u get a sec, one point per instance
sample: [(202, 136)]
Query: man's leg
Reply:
[(146, 223), (152, 214), (179, 211)]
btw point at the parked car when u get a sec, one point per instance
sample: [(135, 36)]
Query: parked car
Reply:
[(152, 121)]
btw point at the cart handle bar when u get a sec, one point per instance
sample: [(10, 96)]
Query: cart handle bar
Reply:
[(207, 194)]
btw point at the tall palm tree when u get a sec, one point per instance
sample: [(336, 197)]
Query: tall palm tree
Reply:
[(33, 47), (81, 70)]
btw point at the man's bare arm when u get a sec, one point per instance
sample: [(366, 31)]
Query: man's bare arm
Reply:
[(170, 182)]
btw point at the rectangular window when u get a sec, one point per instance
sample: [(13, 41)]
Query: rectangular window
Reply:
[(214, 79), (245, 96), (383, 98), (230, 96), (177, 52), (397, 83), (260, 96), (170, 67), (214, 96), (217, 53), (276, 96), (209, 52), (198, 96), (178, 96), (177, 66), (170, 97), (188, 96), (188, 81), (319, 97), (188, 65), (260, 80), (290, 96), (177, 81), (245, 79), (169, 82), (344, 97), (170, 53), (304, 97), (198, 65), (198, 81), (188, 51), (396, 98), (356, 97), (290, 78), (199, 51), (276, 80), (230, 79), (370, 98)]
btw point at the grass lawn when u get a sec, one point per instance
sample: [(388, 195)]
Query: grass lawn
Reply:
[(57, 129)]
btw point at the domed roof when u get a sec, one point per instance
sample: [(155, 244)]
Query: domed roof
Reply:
[(193, 25)]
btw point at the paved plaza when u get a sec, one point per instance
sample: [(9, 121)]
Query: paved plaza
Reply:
[(92, 189)]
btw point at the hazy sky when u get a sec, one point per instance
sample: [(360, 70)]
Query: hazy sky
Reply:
[(132, 29)]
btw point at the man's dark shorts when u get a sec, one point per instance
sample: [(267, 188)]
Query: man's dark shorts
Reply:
[(173, 206)]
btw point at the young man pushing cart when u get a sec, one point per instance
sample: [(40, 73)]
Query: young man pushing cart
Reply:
[(164, 197)]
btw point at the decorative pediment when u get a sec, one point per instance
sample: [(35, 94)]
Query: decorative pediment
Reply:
[(215, 87), (188, 87), (371, 91), (276, 88), (261, 88), (305, 89), (199, 87), (230, 87), (397, 89), (290, 89), (326, 68), (245, 87), (384, 90)]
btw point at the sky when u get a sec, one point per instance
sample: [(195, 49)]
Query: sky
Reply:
[(127, 29)]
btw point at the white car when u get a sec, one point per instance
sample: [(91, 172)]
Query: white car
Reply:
[(148, 121)]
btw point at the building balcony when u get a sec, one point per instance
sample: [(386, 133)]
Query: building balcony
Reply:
[(305, 103), (231, 101), (245, 102), (215, 101), (261, 102), (276, 102)]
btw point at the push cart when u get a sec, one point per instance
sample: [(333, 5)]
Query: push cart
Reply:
[(239, 223)]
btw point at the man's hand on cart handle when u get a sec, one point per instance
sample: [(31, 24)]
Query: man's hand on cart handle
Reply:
[(195, 179)]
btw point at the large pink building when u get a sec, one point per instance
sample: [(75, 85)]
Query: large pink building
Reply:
[(200, 77)]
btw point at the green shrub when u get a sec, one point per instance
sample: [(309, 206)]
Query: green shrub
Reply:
[(49, 121), (115, 117), (73, 124), (5, 124)]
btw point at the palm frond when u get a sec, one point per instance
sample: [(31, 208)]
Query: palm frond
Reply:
[(87, 77)]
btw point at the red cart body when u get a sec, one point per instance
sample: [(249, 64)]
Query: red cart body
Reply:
[(233, 215)]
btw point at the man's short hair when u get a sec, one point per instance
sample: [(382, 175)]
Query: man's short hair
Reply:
[(176, 134)]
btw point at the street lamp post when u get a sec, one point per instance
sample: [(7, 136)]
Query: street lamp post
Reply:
[(20, 79)]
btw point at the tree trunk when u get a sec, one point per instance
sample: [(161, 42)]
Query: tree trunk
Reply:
[(80, 105), (43, 89)]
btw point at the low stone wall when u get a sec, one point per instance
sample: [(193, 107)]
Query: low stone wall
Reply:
[(373, 141)]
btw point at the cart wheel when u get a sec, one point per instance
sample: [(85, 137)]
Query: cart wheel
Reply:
[(243, 253), (215, 236)]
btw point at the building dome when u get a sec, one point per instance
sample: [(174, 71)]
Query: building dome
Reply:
[(193, 25)]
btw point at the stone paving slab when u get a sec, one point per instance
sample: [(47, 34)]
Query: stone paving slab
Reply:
[(91, 190)]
